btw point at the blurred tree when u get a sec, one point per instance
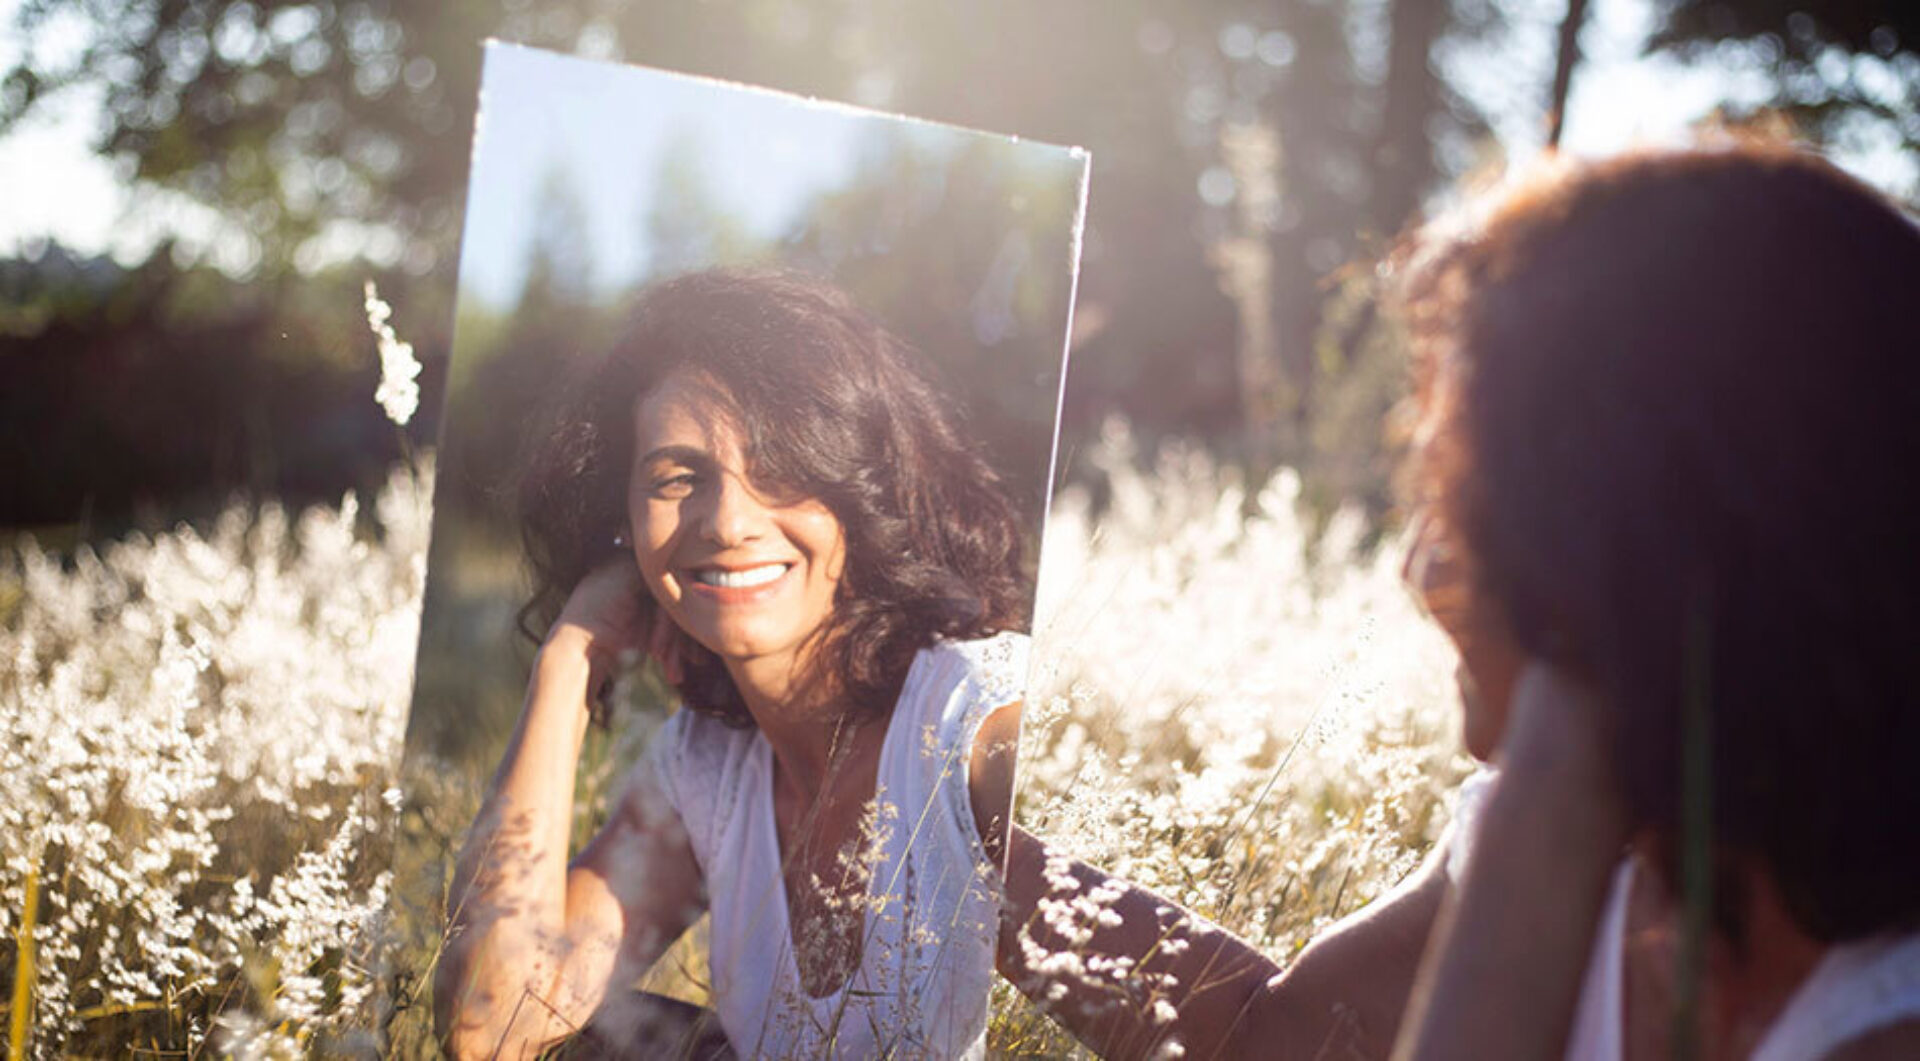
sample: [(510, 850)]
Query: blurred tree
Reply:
[(336, 129), (156, 390), (560, 261), (316, 123), (1155, 90), (685, 227), (1566, 57), (967, 254), (556, 318), (1848, 70), (287, 117)]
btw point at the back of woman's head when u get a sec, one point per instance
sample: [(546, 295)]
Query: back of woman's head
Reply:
[(828, 406), (1674, 402)]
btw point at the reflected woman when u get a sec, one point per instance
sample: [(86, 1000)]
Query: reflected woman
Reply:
[(759, 488)]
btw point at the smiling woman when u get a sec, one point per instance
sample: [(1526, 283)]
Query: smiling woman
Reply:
[(777, 384), (748, 578), (763, 490)]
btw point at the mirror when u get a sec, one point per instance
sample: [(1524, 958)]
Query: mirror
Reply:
[(750, 418)]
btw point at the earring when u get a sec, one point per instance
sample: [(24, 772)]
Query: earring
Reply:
[(619, 539)]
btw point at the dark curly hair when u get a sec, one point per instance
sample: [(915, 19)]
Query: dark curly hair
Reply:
[(1672, 407), (830, 406)]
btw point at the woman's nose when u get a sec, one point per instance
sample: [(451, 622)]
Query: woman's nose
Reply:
[(736, 514)]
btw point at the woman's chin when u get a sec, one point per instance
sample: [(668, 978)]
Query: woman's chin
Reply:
[(740, 645), (1481, 748), (1480, 724)]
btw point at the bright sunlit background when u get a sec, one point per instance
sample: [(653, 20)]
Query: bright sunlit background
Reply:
[(61, 190), (236, 169), (212, 540)]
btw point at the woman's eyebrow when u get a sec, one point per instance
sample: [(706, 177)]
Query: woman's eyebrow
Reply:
[(677, 453)]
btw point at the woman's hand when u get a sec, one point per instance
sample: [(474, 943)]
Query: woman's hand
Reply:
[(605, 609), (607, 615), (1559, 738)]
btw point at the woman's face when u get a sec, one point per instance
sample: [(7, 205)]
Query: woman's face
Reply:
[(748, 576), (1490, 660)]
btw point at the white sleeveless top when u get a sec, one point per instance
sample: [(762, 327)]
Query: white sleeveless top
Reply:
[(1856, 988), (934, 897)]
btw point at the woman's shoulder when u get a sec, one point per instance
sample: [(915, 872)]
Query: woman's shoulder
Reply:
[(988, 672), (1468, 801), (951, 690), (695, 757), (1861, 1002), (1895, 1042), (688, 731), (954, 688)]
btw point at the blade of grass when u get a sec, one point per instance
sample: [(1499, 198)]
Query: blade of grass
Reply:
[(1696, 826), (119, 1009), (20, 1017)]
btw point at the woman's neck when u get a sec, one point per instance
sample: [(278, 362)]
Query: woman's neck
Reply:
[(1748, 987), (814, 734), (1778, 957)]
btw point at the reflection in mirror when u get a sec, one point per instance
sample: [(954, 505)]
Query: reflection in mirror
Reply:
[(744, 463)]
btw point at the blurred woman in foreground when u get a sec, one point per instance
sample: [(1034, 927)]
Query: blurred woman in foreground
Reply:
[(1670, 408)]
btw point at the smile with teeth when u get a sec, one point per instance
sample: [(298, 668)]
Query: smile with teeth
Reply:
[(741, 579)]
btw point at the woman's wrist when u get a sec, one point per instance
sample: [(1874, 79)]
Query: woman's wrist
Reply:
[(570, 655), (568, 640)]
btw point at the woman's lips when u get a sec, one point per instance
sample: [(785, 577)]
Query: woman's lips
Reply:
[(738, 585)]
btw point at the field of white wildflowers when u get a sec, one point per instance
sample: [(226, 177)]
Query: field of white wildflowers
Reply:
[(1241, 711), (200, 734)]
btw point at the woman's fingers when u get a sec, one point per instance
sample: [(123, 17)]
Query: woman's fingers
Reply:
[(607, 605), (666, 645), (1557, 722), (611, 605)]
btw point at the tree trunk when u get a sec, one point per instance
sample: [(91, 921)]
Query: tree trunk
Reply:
[(1564, 62), (1402, 158)]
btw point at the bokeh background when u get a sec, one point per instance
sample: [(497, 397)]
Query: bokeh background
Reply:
[(213, 543), (195, 191)]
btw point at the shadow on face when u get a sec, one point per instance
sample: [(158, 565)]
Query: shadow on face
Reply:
[(1437, 570)]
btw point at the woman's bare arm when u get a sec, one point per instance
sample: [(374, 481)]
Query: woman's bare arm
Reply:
[(990, 773), (1196, 984), (533, 944), (1504, 975)]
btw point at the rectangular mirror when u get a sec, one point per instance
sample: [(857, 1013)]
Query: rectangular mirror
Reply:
[(750, 420)]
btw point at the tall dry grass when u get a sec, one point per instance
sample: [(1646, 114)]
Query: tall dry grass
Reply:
[(1232, 706), (199, 740)]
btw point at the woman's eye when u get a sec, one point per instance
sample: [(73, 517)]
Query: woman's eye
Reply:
[(675, 485)]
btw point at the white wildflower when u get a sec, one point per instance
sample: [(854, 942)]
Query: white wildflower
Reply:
[(399, 391)]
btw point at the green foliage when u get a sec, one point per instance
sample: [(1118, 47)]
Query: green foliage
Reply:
[(135, 397), (340, 128)]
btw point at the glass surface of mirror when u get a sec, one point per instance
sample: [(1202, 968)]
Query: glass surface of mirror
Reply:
[(748, 439)]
